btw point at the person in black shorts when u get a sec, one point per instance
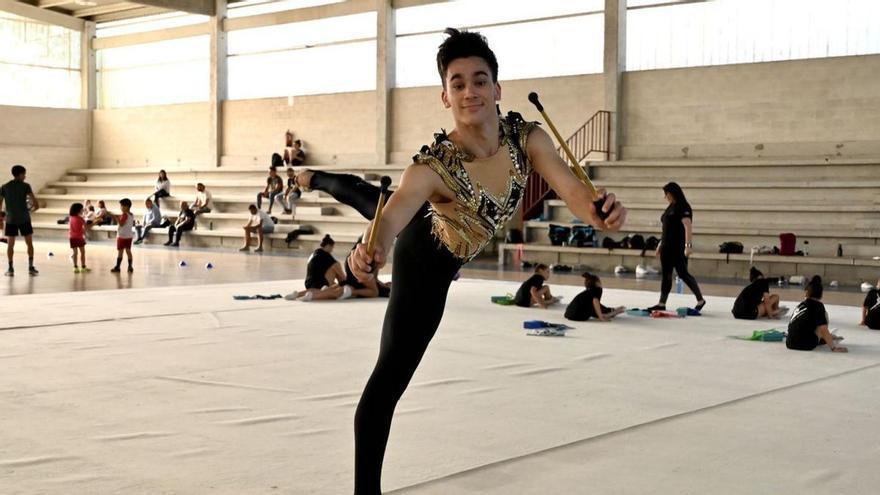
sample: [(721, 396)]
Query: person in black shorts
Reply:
[(588, 304), (871, 309), (3, 227), (755, 301), (324, 275), (676, 246), (533, 291), (15, 194), (808, 327)]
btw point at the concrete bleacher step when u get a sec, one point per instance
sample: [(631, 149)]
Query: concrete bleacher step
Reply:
[(226, 238), (779, 216), (221, 221), (754, 170), (708, 238), (141, 190), (207, 175), (755, 193), (866, 251), (847, 271)]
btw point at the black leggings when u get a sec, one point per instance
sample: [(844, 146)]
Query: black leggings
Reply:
[(350, 190), (422, 272), (677, 261)]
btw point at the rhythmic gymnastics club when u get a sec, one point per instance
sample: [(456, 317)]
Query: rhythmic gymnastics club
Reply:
[(578, 171)]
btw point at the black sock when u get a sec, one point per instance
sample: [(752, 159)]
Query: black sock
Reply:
[(129, 262), (30, 261), (10, 266), (118, 261)]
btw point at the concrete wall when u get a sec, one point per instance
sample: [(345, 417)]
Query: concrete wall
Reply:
[(823, 107), (47, 141), (418, 112), (796, 108), (159, 136), (334, 128)]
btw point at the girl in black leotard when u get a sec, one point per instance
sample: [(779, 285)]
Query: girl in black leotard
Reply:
[(460, 190), (755, 301), (676, 246)]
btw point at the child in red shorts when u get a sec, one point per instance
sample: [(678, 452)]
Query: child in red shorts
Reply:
[(124, 234), (77, 236)]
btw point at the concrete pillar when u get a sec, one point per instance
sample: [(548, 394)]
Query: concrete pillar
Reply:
[(385, 74), (88, 79), (219, 83), (614, 66)]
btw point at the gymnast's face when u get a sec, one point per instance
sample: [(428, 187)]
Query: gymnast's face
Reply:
[(470, 91), (669, 198)]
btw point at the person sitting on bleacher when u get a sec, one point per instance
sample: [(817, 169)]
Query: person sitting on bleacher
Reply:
[(204, 202), (274, 187), (290, 195), (102, 216), (259, 223), (186, 220), (152, 219)]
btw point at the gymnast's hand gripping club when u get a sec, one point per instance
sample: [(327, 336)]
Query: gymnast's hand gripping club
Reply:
[(377, 219), (598, 201)]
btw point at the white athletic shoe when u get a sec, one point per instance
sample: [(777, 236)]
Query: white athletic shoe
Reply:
[(308, 296), (621, 269), (346, 292), (645, 270), (291, 296), (866, 287)]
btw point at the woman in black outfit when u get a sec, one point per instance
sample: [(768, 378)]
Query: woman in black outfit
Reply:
[(755, 301), (449, 205), (808, 327), (675, 246)]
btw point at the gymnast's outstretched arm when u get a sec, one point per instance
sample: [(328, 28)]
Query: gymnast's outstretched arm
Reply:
[(547, 162)]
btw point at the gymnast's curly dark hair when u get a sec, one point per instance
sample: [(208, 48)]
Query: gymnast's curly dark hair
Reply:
[(463, 44)]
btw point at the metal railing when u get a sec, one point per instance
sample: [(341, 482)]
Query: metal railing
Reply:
[(593, 136)]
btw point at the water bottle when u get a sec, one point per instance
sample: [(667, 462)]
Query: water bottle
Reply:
[(840, 250), (679, 285), (806, 248)]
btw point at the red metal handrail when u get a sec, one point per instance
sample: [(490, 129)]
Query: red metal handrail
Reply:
[(593, 136)]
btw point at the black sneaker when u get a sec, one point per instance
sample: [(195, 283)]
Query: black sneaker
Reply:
[(33, 271), (10, 273), (167, 243), (130, 270), (656, 307), (115, 269)]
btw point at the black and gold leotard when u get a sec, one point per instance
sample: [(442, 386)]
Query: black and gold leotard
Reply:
[(466, 225)]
